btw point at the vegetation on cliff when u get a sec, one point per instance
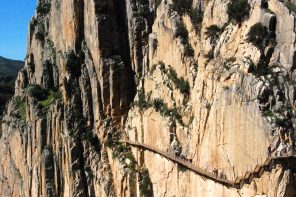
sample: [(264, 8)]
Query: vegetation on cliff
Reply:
[(238, 10), (8, 73)]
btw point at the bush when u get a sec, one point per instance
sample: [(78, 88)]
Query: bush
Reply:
[(158, 104), (291, 6), (185, 7), (37, 92), (268, 113), (180, 83), (142, 102), (20, 104), (169, 112), (264, 4), (31, 66), (172, 74), (122, 152), (182, 6), (258, 35), (52, 96), (196, 17), (238, 10), (145, 183), (119, 148), (40, 36), (74, 62), (213, 32), (188, 50), (260, 69), (183, 86), (71, 60), (182, 32), (43, 8)]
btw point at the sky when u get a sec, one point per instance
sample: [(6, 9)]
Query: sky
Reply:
[(14, 22)]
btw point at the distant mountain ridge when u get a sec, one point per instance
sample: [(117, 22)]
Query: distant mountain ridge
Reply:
[(10, 67), (8, 72)]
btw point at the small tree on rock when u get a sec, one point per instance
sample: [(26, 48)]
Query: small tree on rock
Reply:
[(238, 10), (258, 36)]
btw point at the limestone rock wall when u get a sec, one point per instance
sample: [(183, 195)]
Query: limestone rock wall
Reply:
[(98, 72)]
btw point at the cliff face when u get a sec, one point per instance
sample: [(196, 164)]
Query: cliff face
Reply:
[(188, 81)]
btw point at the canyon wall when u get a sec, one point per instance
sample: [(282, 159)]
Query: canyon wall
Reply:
[(101, 72)]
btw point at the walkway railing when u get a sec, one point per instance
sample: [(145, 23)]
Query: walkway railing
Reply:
[(237, 183)]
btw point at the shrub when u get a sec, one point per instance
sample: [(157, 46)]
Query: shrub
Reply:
[(268, 113), (291, 6), (172, 74), (122, 152), (182, 6), (213, 32), (183, 86), (145, 183), (238, 10), (196, 17), (264, 4), (31, 66), (181, 168), (71, 60), (43, 8), (258, 35), (118, 149), (74, 62), (180, 83), (158, 104), (37, 92), (40, 35), (142, 102), (182, 32), (171, 112), (185, 7), (20, 104), (52, 96), (188, 50), (260, 69)]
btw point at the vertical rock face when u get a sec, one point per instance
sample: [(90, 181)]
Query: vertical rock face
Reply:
[(99, 72)]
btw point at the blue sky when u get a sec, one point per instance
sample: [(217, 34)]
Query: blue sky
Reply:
[(14, 19)]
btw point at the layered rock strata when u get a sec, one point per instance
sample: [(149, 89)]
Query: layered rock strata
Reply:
[(97, 72)]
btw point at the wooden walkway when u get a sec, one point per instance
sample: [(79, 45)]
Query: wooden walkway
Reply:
[(237, 183)]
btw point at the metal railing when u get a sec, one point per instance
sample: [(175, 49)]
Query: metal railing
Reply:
[(237, 183)]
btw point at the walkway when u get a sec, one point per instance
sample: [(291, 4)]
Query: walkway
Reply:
[(237, 183)]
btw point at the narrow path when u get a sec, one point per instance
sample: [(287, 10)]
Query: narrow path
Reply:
[(237, 183)]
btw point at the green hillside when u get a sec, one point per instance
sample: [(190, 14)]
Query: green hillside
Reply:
[(8, 72)]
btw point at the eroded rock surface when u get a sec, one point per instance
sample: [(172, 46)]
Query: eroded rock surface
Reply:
[(98, 72)]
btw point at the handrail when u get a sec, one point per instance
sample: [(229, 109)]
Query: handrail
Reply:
[(239, 181)]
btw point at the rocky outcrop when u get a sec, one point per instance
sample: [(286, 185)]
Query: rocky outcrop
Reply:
[(187, 81)]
